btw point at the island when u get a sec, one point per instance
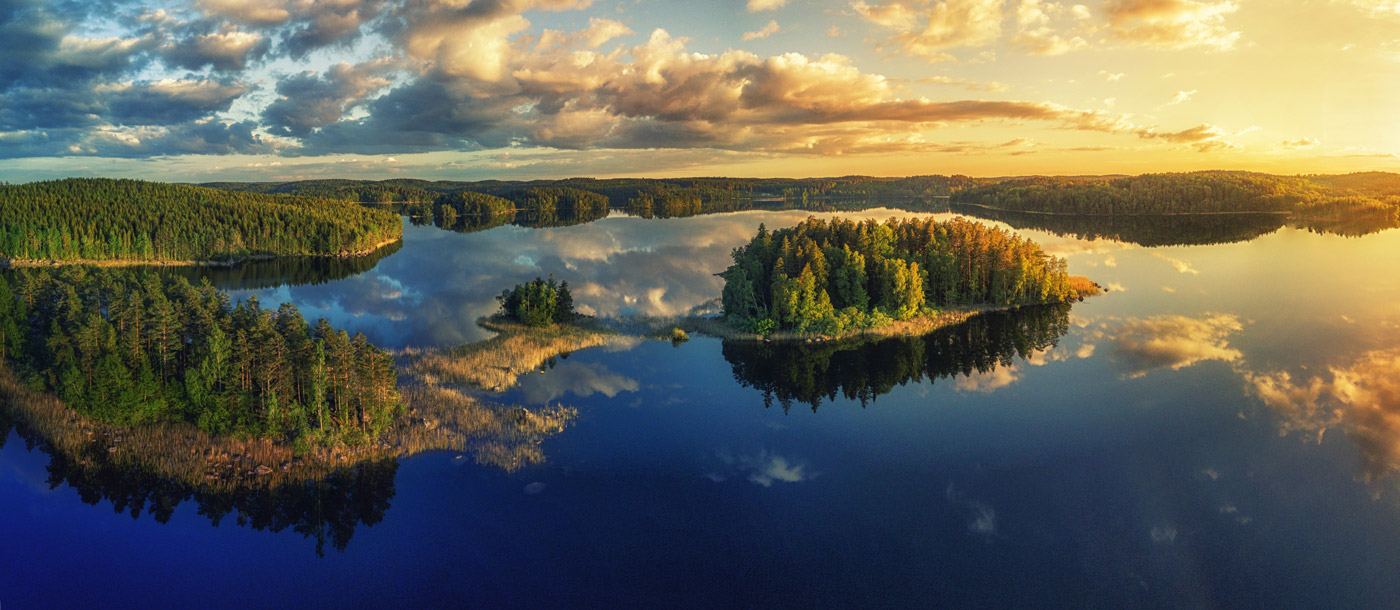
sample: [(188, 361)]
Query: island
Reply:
[(840, 278)]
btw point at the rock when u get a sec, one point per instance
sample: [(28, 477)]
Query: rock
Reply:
[(286, 466), (263, 469), (112, 449)]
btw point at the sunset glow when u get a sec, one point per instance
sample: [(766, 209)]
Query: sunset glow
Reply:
[(287, 89)]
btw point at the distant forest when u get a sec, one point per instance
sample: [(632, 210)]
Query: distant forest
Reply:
[(621, 191), (1372, 197), (1354, 196), (129, 346), (830, 277), (102, 219)]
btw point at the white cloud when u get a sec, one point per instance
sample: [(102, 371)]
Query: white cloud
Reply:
[(755, 6), (764, 32)]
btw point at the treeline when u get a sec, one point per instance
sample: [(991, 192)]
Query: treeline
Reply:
[(830, 277), (538, 303), (1144, 230), (129, 347), (102, 219), (811, 373), (1322, 197), (663, 203), (535, 199), (619, 191)]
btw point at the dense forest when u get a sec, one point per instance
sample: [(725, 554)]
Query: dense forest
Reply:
[(101, 219), (811, 373), (535, 199), (620, 191), (129, 347), (538, 303), (1329, 197), (830, 277)]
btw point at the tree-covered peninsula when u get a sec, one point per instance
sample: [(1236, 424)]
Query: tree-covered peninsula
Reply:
[(130, 348), (841, 276), (95, 219), (1352, 197)]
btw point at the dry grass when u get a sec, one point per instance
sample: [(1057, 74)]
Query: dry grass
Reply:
[(497, 363), (446, 419), (178, 451), (438, 419), (661, 327), (1084, 286)]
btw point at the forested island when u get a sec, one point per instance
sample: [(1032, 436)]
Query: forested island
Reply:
[(96, 220), (835, 277)]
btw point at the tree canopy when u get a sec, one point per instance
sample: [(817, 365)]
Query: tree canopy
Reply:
[(102, 219), (834, 276), (538, 303), (129, 347)]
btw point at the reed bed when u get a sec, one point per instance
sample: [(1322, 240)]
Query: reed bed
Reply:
[(496, 364)]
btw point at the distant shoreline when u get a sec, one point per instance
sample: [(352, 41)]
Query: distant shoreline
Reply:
[(1041, 213), (12, 263)]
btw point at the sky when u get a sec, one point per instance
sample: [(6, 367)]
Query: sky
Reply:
[(513, 89)]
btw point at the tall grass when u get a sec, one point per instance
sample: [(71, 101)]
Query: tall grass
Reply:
[(497, 363)]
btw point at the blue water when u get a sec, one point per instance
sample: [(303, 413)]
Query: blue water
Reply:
[(1215, 432)]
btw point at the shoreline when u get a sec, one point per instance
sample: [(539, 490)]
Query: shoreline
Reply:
[(915, 326), (1147, 214), (11, 263)]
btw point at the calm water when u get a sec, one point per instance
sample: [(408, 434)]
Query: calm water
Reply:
[(1221, 430)]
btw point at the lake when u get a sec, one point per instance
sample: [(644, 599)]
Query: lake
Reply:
[(1220, 430)]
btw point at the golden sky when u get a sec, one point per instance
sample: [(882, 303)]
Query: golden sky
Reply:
[(286, 89)]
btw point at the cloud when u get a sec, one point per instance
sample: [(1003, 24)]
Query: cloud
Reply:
[(921, 30), (1204, 137), (1362, 399), (764, 32), (1181, 266), (763, 468), (989, 86), (579, 379), (1299, 144), (989, 381), (1378, 8), (1180, 97), (1175, 342), (307, 101), (227, 50), (449, 75), (1172, 24), (755, 6), (1035, 34)]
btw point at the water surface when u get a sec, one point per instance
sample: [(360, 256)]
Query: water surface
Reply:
[(1218, 431)]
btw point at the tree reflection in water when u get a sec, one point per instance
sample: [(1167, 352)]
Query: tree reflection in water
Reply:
[(863, 370), (325, 509)]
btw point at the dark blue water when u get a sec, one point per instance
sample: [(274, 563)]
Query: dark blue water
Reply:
[(1221, 430)]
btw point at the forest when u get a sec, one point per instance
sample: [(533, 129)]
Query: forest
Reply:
[(130, 347), (1311, 197), (619, 191), (132, 220), (811, 373), (538, 303), (831, 277)]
